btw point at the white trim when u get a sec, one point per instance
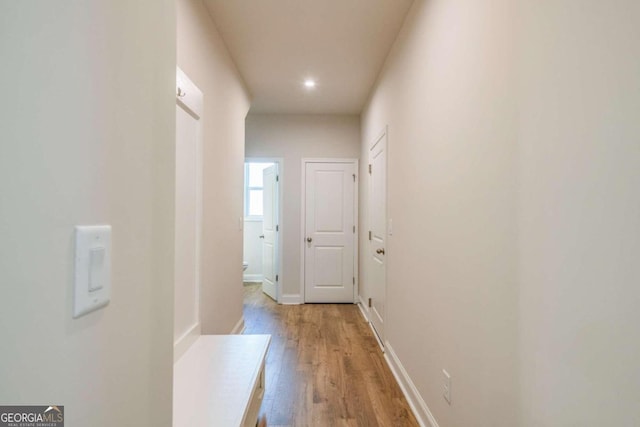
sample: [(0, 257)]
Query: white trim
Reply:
[(365, 314), (363, 308), (182, 344), (420, 409), (252, 277), (383, 134), (199, 211), (291, 299), (191, 99), (188, 96), (303, 219), (238, 329), (377, 337), (279, 162), (356, 234), (328, 160)]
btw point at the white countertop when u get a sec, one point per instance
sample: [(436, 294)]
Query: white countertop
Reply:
[(214, 378)]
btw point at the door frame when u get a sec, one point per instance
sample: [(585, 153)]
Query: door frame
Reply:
[(280, 203), (191, 99), (303, 219), (384, 134)]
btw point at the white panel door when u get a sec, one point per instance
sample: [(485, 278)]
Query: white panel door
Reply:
[(378, 238), (329, 232), (269, 231)]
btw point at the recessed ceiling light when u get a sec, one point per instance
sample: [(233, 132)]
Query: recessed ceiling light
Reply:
[(309, 83)]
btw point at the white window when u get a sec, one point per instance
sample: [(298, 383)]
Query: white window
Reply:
[(253, 188)]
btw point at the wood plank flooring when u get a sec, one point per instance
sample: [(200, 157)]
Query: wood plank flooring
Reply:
[(324, 366)]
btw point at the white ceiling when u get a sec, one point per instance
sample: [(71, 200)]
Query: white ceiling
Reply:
[(277, 44)]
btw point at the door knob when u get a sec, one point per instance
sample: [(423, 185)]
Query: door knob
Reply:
[(380, 251), (261, 236), (309, 239)]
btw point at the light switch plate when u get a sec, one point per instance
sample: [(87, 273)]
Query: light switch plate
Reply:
[(92, 283)]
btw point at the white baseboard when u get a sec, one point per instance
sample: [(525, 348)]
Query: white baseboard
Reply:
[(377, 337), (418, 406), (363, 308), (182, 344), (239, 328), (290, 299), (252, 277)]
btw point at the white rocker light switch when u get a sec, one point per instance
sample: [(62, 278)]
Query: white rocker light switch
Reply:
[(92, 284)]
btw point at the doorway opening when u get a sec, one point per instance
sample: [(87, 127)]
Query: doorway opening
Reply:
[(262, 249)]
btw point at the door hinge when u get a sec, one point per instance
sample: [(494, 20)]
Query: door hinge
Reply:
[(276, 277), (369, 302), (369, 235), (277, 228), (354, 228), (354, 177), (354, 280), (277, 178), (369, 168)]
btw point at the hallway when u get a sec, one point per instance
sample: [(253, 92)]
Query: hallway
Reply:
[(324, 367), (496, 235)]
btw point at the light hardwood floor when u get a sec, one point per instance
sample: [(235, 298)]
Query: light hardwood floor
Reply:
[(324, 366)]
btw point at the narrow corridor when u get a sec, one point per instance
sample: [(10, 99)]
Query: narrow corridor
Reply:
[(324, 366)]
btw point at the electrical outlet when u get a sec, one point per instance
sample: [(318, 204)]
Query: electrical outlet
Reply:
[(446, 389)]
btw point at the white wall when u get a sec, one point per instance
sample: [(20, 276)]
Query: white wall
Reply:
[(203, 56), (579, 204), (252, 250), (293, 137), (87, 138), (513, 171), (447, 97)]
